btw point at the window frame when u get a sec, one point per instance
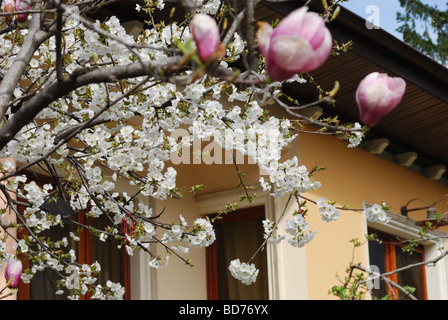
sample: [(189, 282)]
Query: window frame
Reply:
[(245, 214), (436, 276), (211, 203), (391, 261)]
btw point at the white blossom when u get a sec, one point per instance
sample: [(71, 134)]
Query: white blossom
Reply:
[(355, 137), (202, 234), (159, 262), (8, 165), (328, 211), (270, 232), (298, 228), (376, 213), (288, 177), (243, 272)]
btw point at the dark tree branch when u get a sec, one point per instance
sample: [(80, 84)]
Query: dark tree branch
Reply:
[(250, 29), (59, 55)]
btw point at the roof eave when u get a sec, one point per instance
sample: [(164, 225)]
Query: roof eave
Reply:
[(390, 52)]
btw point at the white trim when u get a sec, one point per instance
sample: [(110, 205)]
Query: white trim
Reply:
[(142, 276), (213, 202), (404, 227)]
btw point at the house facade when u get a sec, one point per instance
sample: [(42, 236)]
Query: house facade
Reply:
[(402, 162)]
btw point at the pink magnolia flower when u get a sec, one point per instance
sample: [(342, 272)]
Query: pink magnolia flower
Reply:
[(301, 42), (9, 6), (378, 94), (13, 270), (206, 35), (22, 6)]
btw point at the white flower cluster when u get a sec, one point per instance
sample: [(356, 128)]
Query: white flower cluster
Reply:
[(8, 165), (355, 137), (208, 7), (202, 234), (288, 177), (328, 211), (235, 48), (270, 232), (243, 272), (150, 232), (4, 255), (243, 130), (21, 245), (159, 263), (35, 194), (376, 213), (298, 227), (35, 216), (175, 233), (111, 291), (80, 278)]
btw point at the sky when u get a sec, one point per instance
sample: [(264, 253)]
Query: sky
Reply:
[(384, 11)]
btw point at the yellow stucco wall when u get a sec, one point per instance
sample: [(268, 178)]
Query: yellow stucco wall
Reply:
[(179, 281), (354, 176)]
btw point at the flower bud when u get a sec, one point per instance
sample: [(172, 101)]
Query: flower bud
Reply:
[(13, 272), (378, 94), (9, 6), (301, 42), (22, 6), (206, 35)]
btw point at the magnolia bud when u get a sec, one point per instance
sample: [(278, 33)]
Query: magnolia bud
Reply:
[(301, 42), (22, 6), (378, 94), (13, 272), (9, 6), (206, 35)]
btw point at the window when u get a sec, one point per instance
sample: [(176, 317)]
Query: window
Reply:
[(238, 235), (388, 255), (114, 262)]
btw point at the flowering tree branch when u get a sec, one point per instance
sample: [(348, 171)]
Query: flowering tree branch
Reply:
[(10, 80), (69, 83), (88, 104)]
